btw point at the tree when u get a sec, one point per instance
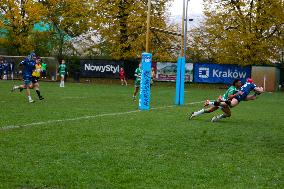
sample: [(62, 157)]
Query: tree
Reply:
[(121, 24), (16, 22), (67, 18), (241, 31)]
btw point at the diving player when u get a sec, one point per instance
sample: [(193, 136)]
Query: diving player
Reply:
[(229, 94), (242, 95)]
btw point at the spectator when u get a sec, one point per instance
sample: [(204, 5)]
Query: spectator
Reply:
[(122, 76), (5, 69), (44, 69), (12, 69), (153, 75), (1, 67)]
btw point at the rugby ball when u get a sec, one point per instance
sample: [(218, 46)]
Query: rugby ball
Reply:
[(259, 90)]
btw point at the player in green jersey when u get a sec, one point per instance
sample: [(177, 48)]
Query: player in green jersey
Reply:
[(242, 95), (229, 94), (44, 69), (62, 71), (137, 74)]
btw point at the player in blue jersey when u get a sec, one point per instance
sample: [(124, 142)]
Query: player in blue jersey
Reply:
[(229, 94), (1, 67), (28, 67), (242, 95), (5, 70)]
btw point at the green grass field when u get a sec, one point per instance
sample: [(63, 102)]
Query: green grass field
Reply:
[(93, 136)]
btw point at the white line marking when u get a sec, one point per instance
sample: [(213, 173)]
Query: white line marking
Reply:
[(10, 127), (74, 97)]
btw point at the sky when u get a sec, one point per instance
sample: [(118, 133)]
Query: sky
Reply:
[(194, 7)]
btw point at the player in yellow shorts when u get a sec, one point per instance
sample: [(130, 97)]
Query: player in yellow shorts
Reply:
[(35, 77)]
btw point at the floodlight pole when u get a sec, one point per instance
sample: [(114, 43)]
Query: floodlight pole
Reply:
[(185, 30), (181, 60), (148, 25), (182, 30)]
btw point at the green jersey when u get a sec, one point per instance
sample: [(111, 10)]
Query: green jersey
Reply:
[(138, 76), (62, 69), (232, 90), (43, 66)]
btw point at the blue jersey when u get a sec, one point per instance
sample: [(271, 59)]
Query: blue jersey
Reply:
[(246, 89), (5, 67), (29, 66)]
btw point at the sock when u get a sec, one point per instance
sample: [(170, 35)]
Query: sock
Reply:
[(206, 111), (220, 116), (216, 103), (199, 112), (62, 83), (16, 87), (30, 98), (228, 102), (38, 93)]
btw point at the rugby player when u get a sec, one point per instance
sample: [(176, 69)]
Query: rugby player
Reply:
[(62, 71), (29, 66), (229, 94), (137, 74), (35, 77), (241, 95)]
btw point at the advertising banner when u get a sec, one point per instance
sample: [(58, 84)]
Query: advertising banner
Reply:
[(220, 73), (167, 71), (100, 68)]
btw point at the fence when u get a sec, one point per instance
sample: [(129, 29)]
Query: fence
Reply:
[(14, 72), (267, 76)]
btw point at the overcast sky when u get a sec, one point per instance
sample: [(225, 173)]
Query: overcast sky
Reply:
[(194, 7)]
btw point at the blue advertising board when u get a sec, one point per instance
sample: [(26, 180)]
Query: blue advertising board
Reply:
[(145, 92), (220, 73)]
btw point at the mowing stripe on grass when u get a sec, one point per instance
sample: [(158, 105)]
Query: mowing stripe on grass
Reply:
[(171, 106), (10, 127)]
